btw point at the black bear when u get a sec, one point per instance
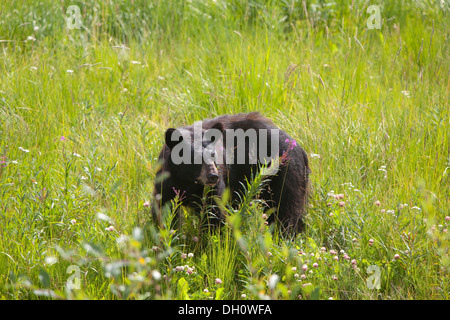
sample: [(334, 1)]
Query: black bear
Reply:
[(225, 151)]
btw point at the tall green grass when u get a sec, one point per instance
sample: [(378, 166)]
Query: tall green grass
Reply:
[(82, 119)]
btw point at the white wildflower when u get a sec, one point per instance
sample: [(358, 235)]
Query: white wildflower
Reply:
[(50, 260), (273, 280), (156, 275), (406, 93)]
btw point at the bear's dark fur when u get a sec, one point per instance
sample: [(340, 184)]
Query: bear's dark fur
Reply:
[(285, 193)]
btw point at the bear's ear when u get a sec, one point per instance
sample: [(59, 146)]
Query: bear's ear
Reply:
[(218, 126), (170, 143), (213, 135)]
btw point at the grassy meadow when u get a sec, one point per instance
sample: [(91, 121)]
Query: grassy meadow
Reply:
[(82, 119)]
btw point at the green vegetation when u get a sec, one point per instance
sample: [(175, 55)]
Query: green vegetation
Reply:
[(82, 120)]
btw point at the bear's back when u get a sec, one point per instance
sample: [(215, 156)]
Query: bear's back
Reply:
[(241, 120)]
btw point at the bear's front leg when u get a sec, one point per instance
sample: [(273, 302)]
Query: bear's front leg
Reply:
[(163, 204), (212, 216)]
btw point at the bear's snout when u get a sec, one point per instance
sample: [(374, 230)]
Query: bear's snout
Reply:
[(209, 176), (213, 178)]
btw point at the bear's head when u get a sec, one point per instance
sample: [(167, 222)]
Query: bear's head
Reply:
[(195, 153)]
